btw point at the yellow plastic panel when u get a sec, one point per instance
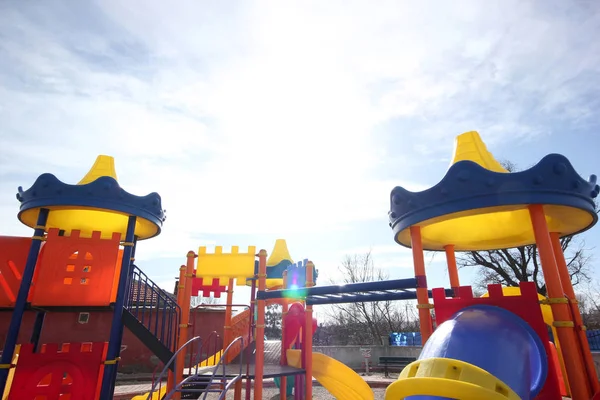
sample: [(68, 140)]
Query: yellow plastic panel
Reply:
[(445, 377), (88, 220), (495, 227), (225, 266)]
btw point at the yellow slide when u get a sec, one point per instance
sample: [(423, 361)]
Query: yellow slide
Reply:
[(155, 396), (211, 361), (339, 380)]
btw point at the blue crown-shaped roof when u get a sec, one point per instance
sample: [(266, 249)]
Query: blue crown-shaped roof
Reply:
[(468, 186), (103, 194)]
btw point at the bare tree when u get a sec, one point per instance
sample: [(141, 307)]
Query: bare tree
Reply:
[(366, 322), (589, 306), (273, 321), (522, 264)]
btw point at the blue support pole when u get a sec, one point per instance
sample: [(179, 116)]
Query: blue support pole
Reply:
[(21, 302), (116, 329), (127, 303), (37, 330)]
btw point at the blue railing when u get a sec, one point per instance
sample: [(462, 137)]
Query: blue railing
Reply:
[(593, 337), (153, 307), (414, 339), (405, 339)]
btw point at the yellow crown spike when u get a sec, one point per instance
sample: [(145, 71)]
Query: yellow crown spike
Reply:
[(103, 166), (280, 252), (470, 147)]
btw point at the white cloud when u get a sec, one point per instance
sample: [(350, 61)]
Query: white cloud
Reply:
[(269, 117)]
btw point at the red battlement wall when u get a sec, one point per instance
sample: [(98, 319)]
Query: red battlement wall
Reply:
[(63, 327)]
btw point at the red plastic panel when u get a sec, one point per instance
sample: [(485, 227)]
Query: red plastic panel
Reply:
[(526, 306), (73, 373), (77, 271), (13, 256), (214, 288)]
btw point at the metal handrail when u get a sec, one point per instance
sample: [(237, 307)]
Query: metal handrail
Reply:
[(171, 360), (211, 381), (147, 310), (213, 338), (154, 375)]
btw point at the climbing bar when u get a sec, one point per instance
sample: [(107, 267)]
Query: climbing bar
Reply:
[(364, 297), (395, 284)]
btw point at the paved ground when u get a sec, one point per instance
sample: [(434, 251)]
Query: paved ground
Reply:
[(124, 390), (319, 393)]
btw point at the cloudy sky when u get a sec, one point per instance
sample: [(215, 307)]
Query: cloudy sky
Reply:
[(258, 120)]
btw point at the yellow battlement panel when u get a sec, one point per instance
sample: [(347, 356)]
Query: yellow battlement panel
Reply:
[(225, 266)]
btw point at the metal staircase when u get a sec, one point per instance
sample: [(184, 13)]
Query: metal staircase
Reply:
[(198, 382), (152, 315)]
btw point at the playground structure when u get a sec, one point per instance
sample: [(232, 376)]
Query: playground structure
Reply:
[(495, 347)]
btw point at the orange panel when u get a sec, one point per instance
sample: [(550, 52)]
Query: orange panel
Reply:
[(13, 256), (240, 326), (76, 271), (115, 284)]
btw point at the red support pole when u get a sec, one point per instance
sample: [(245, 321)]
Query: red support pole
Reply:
[(227, 333), (260, 327), (425, 322), (580, 389), (452, 268), (184, 298), (284, 311), (567, 286), (308, 334)]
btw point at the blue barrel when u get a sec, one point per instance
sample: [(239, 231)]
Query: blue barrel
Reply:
[(495, 340)]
